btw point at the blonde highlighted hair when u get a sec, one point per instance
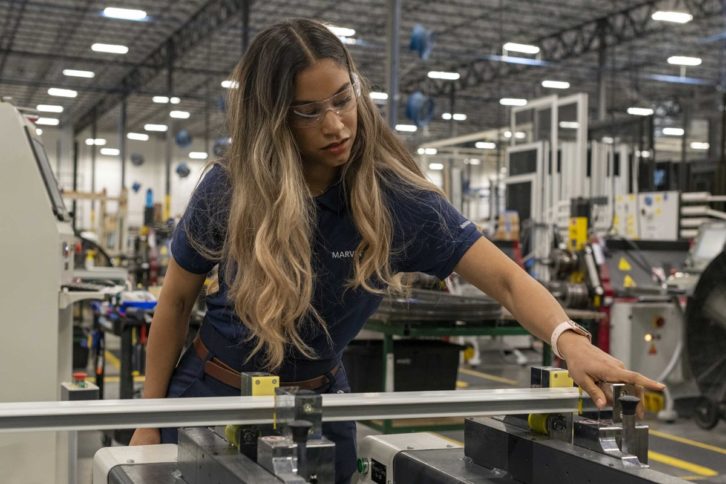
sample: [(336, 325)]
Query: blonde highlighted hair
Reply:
[(269, 233)]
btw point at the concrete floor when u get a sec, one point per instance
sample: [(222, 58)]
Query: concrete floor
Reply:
[(680, 449)]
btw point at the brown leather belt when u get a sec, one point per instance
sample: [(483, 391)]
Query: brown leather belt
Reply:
[(219, 370)]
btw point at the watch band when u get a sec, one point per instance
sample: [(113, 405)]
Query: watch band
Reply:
[(561, 328)]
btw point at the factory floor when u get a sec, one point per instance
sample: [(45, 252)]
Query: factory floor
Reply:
[(681, 449)]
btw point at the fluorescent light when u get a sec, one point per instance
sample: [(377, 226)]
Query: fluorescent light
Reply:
[(699, 145), (555, 84), (230, 84), (449, 76), (124, 13), (110, 151), (485, 145), (77, 73), (160, 99), (507, 134), (569, 124), (520, 135), (407, 128), (436, 166), (643, 154), (96, 142), (47, 121), (179, 114), (341, 31), (54, 91), (673, 131), (156, 127), (427, 151), (110, 48), (512, 101), (49, 108), (138, 136), (608, 140), (635, 111), (521, 48), (474, 161), (174, 100), (675, 17), (379, 96), (348, 40), (198, 155), (456, 116), (682, 60), (38, 131)]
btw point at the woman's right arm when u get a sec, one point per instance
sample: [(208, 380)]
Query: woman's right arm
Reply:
[(166, 336)]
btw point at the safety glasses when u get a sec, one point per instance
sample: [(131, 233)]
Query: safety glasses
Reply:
[(312, 114)]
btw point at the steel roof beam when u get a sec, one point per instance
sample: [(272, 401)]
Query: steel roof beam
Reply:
[(607, 31), (208, 19)]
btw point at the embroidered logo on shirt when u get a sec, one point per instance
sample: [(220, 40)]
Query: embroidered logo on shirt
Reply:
[(465, 224), (343, 254)]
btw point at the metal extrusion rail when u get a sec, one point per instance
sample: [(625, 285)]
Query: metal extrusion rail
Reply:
[(115, 414)]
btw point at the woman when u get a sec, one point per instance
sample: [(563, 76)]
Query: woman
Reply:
[(314, 212)]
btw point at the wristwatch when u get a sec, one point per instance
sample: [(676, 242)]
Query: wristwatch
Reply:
[(561, 328)]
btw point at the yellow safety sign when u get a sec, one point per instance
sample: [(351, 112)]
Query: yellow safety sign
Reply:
[(624, 265), (628, 281)]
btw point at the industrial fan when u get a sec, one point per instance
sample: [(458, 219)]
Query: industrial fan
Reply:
[(706, 340)]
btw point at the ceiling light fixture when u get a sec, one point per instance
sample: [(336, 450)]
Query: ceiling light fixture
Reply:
[(78, 73), (379, 96), (674, 17), (49, 108), (125, 13), (673, 131), (55, 91), (138, 136), (160, 128), (682, 60), (448, 76), (230, 84), (47, 121), (485, 145), (110, 151), (512, 101), (436, 166), (110, 48), (521, 48), (406, 128), (555, 84), (636, 111), (179, 114), (95, 142), (198, 155), (699, 145)]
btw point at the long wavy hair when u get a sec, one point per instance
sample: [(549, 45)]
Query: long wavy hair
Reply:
[(271, 220)]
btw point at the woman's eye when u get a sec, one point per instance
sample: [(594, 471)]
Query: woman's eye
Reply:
[(308, 110), (343, 102)]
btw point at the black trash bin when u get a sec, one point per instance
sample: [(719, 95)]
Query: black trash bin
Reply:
[(419, 365)]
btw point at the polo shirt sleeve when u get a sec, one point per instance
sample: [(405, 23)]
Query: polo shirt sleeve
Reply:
[(430, 235), (204, 221)]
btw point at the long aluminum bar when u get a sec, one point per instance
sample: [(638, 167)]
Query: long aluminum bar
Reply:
[(190, 412)]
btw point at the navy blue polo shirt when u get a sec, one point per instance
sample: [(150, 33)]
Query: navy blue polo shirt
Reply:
[(429, 236)]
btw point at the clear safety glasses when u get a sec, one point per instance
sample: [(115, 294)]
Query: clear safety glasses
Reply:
[(312, 114)]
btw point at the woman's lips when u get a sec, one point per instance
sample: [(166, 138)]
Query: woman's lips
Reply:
[(337, 148)]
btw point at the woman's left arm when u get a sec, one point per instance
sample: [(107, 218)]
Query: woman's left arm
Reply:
[(486, 267)]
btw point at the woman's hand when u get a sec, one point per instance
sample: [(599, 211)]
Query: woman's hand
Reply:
[(589, 366), (146, 437)]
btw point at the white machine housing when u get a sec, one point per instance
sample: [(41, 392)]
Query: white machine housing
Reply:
[(37, 260), (376, 453), (646, 335)]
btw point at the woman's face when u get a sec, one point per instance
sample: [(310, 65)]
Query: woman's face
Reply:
[(323, 116)]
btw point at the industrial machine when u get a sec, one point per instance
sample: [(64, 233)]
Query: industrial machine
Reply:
[(36, 294), (539, 448)]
